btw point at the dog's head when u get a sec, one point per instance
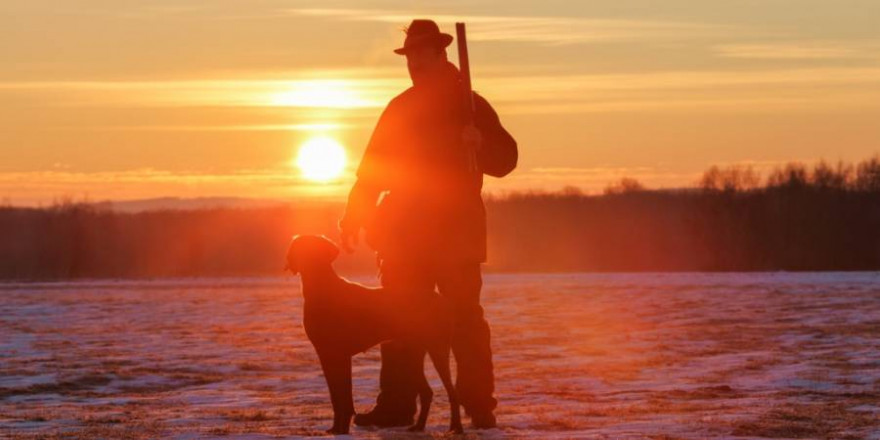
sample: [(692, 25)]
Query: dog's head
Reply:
[(310, 251)]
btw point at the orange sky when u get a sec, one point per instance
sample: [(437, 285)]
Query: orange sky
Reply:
[(126, 100)]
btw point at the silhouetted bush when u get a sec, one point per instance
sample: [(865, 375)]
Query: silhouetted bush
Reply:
[(734, 178)]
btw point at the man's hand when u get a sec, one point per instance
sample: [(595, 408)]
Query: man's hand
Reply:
[(472, 140), (349, 239)]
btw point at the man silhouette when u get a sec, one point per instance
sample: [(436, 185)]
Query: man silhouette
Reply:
[(429, 229)]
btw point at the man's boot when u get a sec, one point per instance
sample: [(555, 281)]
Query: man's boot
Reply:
[(483, 420), (398, 376)]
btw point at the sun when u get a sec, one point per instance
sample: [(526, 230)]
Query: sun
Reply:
[(321, 159)]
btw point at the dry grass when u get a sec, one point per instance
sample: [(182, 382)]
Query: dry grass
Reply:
[(830, 420), (248, 416)]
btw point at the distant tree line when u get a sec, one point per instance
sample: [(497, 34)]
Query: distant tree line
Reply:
[(820, 217), (79, 240)]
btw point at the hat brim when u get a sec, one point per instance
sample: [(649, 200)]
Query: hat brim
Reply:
[(442, 40)]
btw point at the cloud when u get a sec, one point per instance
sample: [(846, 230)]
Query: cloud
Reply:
[(749, 91), (35, 187), (312, 90), (537, 85), (352, 94), (41, 187), (588, 179), (306, 127), (545, 30), (804, 50)]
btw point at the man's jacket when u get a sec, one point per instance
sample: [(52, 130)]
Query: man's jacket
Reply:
[(430, 205)]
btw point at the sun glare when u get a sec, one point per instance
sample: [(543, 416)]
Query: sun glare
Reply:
[(320, 93), (321, 159)]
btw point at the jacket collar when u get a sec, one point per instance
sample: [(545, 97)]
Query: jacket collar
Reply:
[(444, 78)]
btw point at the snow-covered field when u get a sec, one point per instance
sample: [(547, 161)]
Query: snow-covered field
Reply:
[(657, 356)]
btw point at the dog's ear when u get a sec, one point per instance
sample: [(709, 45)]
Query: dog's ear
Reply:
[(292, 257)]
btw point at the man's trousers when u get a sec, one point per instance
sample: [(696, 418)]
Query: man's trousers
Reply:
[(402, 365)]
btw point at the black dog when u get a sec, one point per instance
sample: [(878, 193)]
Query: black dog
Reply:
[(342, 318)]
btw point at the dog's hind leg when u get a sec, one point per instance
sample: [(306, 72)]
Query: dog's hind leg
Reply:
[(337, 372), (440, 359), (426, 395)]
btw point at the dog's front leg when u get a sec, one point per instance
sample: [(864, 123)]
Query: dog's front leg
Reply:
[(337, 372)]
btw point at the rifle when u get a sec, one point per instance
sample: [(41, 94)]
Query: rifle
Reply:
[(464, 66)]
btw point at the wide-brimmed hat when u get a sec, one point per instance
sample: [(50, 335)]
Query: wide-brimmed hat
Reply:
[(422, 33)]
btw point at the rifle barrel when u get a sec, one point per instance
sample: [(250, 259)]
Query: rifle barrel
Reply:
[(464, 66)]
